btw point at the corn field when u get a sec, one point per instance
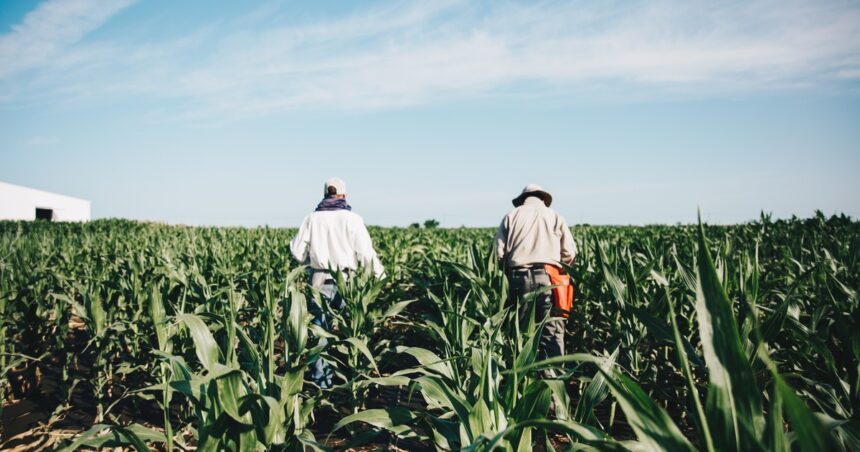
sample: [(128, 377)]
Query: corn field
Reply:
[(717, 338)]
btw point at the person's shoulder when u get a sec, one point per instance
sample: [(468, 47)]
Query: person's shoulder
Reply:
[(515, 210), (559, 217), (522, 209), (353, 220), (510, 214), (353, 216)]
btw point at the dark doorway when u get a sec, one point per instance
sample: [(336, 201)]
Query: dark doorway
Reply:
[(44, 214)]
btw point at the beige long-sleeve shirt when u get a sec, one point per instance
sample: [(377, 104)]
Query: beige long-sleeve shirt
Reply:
[(534, 234)]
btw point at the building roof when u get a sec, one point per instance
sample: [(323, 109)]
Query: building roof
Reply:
[(6, 187)]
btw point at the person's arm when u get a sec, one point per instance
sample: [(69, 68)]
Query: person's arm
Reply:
[(299, 245), (364, 252), (568, 246), (501, 240)]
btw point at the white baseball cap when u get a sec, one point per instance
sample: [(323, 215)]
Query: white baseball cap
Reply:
[(338, 184)]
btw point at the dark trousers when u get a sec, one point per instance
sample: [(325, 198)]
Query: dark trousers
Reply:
[(523, 281)]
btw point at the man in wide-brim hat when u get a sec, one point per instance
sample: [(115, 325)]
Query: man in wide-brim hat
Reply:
[(529, 238)]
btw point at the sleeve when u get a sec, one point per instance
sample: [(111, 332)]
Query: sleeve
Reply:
[(501, 239), (568, 246), (299, 245), (364, 252)]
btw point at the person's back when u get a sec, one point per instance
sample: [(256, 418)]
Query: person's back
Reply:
[(335, 239), (330, 239), (533, 233)]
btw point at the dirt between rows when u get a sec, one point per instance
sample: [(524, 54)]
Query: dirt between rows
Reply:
[(33, 419), (29, 425)]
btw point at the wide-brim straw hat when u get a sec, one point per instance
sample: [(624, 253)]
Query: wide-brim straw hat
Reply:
[(533, 190)]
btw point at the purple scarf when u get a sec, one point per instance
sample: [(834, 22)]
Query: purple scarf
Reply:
[(333, 204)]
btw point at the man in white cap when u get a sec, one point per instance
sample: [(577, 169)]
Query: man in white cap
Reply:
[(530, 237), (332, 237)]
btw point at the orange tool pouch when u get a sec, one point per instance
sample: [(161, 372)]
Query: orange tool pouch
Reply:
[(562, 296)]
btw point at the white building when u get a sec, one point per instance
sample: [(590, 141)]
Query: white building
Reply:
[(22, 203)]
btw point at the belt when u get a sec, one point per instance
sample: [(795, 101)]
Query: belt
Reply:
[(347, 271), (527, 268)]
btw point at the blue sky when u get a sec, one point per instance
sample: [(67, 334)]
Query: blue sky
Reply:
[(234, 113)]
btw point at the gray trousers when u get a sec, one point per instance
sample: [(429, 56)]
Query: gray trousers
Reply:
[(524, 280)]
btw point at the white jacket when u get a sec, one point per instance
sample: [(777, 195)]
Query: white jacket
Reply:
[(335, 239)]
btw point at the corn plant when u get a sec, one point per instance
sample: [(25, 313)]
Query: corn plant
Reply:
[(356, 324)]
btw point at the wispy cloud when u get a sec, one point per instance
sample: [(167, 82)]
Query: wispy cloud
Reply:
[(41, 141), (50, 29), (406, 54)]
